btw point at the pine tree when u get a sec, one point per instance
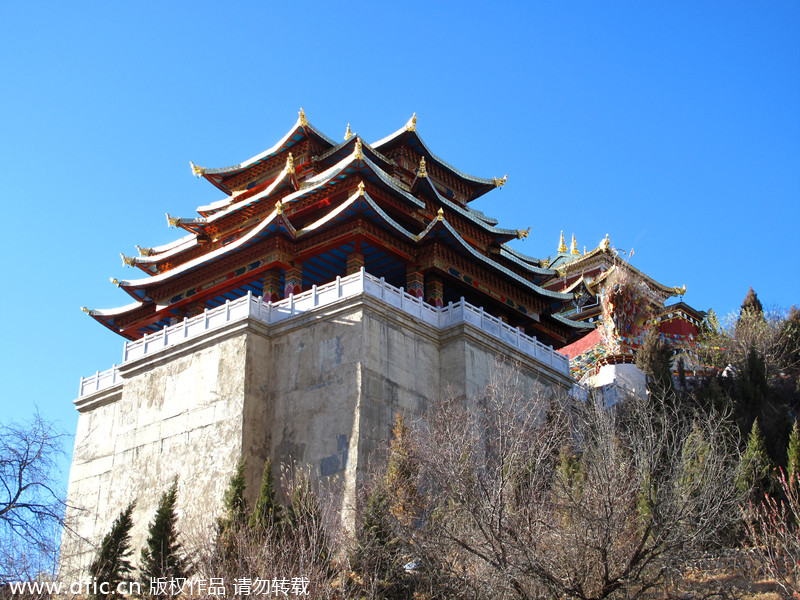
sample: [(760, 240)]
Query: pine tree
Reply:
[(162, 557), (267, 513), (112, 565), (234, 502), (754, 471), (751, 304), (793, 459), (654, 358)]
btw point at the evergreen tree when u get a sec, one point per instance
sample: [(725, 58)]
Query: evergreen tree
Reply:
[(162, 557), (793, 458), (712, 321), (754, 471), (112, 565), (304, 518), (233, 502), (752, 305), (267, 513), (654, 358)]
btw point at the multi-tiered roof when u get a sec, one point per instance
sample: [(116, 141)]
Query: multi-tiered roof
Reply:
[(309, 209)]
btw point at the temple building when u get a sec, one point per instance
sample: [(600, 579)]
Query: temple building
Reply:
[(333, 286), (622, 302)]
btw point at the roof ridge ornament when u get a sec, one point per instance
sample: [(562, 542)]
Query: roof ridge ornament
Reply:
[(574, 249), (411, 125), (173, 221), (303, 120), (523, 233), (422, 171), (359, 149), (440, 215), (127, 261), (144, 251), (605, 243), (279, 207), (562, 247), (197, 170), (348, 134), (499, 181), (360, 188)]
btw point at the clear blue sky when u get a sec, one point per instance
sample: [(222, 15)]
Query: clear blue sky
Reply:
[(672, 126)]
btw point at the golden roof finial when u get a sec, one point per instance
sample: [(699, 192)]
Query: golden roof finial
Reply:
[(574, 249), (359, 149), (605, 243), (412, 123), (303, 120), (523, 233), (440, 215), (360, 188), (562, 247), (422, 171), (347, 134), (115, 281), (279, 207), (198, 171), (84, 309), (290, 163), (127, 261), (499, 181), (144, 251), (173, 221)]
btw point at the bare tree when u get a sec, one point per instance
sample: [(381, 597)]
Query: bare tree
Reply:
[(31, 505), (532, 495)]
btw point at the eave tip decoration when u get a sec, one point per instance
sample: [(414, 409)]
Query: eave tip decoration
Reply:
[(422, 171), (499, 181), (86, 310), (348, 134), (279, 207), (523, 233), (144, 251), (196, 170), (115, 281), (412, 123), (303, 120), (127, 261), (173, 221), (360, 188), (440, 215), (562, 247)]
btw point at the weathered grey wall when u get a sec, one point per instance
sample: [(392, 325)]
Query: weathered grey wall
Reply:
[(322, 390)]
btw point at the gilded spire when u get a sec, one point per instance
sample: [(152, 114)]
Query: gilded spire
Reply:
[(127, 261), (605, 243), (440, 215), (422, 171), (412, 123), (198, 171), (303, 120), (499, 181), (574, 249), (347, 134), (562, 247), (290, 163), (359, 150), (144, 251), (173, 221), (360, 188)]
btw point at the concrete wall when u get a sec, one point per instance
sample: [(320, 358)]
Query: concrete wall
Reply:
[(322, 390)]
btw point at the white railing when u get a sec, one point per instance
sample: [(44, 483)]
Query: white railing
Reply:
[(250, 306)]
